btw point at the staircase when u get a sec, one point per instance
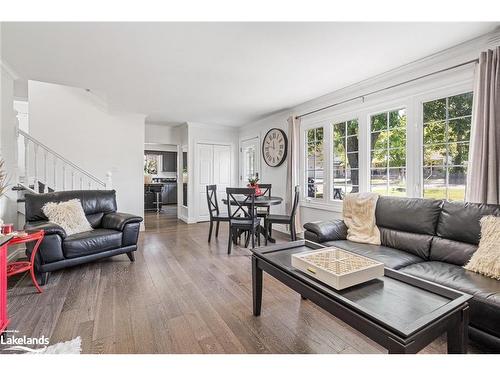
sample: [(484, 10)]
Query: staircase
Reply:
[(42, 170)]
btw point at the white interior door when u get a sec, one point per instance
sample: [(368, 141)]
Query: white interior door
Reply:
[(214, 167), (250, 160), (205, 177), (222, 171)]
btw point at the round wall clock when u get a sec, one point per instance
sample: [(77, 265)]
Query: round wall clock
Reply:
[(275, 147)]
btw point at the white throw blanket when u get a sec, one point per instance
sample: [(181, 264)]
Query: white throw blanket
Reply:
[(359, 217)]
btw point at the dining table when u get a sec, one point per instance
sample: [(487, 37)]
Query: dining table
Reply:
[(260, 201)]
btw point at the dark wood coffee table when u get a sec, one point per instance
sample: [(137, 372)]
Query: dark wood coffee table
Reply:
[(400, 312)]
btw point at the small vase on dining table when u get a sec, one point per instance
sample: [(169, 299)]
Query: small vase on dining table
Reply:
[(253, 183)]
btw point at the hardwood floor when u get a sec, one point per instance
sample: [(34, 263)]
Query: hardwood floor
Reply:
[(182, 295)]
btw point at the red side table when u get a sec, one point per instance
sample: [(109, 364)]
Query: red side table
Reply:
[(18, 267), (4, 321)]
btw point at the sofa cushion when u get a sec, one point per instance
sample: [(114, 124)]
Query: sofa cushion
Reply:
[(68, 215), (415, 243), (460, 221), (413, 215), (392, 258), (91, 242), (449, 251), (321, 231), (486, 260), (485, 305)]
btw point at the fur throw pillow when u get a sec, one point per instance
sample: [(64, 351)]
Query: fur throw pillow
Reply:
[(486, 259), (359, 217), (69, 215)]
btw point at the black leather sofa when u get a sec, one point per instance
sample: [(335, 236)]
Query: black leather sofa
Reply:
[(113, 232), (430, 239)]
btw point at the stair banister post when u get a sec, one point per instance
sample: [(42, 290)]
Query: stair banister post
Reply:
[(35, 163), (26, 161), (109, 181), (54, 180), (64, 176), (72, 179), (45, 170)]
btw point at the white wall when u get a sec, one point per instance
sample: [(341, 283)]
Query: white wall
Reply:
[(162, 134), (8, 145), (77, 125)]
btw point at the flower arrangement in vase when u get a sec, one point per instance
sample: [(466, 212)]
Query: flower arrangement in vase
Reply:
[(253, 183)]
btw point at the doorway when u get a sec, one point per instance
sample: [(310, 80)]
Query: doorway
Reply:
[(249, 160), (213, 168)]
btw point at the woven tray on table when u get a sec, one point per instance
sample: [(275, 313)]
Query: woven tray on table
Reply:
[(337, 268)]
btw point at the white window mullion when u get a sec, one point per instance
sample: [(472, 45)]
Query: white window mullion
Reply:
[(413, 145), (327, 167), (364, 153)]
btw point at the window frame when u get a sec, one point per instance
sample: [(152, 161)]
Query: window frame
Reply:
[(369, 131), (304, 169), (346, 118), (459, 89), (411, 97)]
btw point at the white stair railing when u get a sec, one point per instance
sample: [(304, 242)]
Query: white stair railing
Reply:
[(46, 170)]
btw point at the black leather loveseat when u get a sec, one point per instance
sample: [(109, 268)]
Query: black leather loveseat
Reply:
[(113, 232), (430, 239)]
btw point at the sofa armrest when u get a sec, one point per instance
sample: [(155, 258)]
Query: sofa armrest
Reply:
[(118, 220), (47, 226), (323, 231)]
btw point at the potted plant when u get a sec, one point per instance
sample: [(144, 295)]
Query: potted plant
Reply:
[(149, 169), (184, 175), (253, 183)]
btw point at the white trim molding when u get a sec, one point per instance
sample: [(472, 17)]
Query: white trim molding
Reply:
[(9, 70)]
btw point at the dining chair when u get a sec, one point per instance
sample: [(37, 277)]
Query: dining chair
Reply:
[(243, 217), (265, 190), (284, 219), (213, 208)]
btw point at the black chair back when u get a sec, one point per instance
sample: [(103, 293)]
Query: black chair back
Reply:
[(244, 209), (296, 198), (266, 189), (213, 203)]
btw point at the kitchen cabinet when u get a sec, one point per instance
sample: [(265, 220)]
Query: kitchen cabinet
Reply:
[(169, 161), (169, 193)]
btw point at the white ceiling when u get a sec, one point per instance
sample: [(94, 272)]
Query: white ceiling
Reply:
[(219, 73)]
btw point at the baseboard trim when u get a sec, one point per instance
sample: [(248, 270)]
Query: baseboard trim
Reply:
[(186, 219), (283, 228)]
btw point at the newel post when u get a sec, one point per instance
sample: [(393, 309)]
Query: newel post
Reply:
[(109, 181)]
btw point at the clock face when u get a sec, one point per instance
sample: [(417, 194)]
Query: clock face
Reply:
[(274, 147)]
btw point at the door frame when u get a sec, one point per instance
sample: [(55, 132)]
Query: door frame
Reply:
[(196, 171), (240, 161)]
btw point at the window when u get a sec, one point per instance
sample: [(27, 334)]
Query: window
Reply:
[(446, 135), (345, 160), (388, 153), (315, 163)]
